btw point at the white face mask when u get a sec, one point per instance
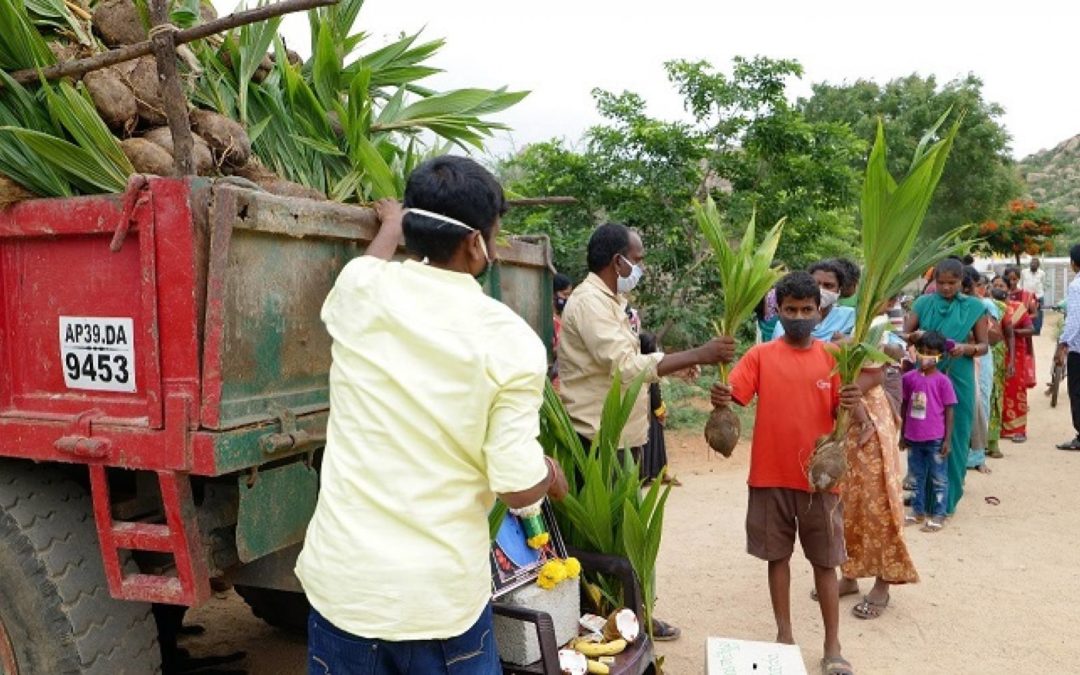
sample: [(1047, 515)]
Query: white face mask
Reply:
[(828, 298), (454, 221), (628, 283)]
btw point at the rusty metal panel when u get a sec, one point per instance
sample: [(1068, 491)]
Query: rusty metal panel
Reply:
[(275, 507), (272, 262)]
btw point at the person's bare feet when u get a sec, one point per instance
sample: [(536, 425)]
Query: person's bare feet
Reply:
[(785, 639), (982, 468)]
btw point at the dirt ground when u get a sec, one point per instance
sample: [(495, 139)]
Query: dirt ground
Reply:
[(999, 592)]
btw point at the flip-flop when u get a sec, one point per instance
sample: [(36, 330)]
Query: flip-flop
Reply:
[(1074, 444), (992, 501), (836, 665), (868, 609)]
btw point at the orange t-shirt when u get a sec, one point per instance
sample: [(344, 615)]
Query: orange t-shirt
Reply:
[(798, 395)]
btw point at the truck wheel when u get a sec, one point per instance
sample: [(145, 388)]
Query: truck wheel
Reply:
[(287, 610), (56, 614)]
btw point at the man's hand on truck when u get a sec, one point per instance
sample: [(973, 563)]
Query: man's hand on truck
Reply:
[(385, 243)]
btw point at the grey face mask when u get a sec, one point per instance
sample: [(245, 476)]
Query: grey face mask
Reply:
[(798, 329)]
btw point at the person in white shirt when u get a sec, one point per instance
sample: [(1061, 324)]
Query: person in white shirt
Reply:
[(435, 393), (1068, 352), (1033, 280)]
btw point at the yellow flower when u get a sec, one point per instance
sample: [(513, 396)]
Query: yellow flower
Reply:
[(551, 574), (573, 567), (539, 541)]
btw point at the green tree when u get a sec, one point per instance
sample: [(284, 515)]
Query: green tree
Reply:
[(744, 145), (980, 175)]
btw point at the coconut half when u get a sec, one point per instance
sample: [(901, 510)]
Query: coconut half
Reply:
[(623, 624), (572, 662), (828, 464)]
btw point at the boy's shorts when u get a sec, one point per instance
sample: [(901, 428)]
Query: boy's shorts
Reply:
[(774, 515)]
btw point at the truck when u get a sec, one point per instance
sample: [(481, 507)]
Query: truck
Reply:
[(163, 406)]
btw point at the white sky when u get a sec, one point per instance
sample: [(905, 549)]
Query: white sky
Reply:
[(1026, 53)]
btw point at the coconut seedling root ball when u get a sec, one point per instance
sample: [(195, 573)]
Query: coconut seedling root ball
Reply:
[(722, 430), (147, 157), (118, 23), (828, 464), (204, 159), (12, 193), (114, 101), (226, 138)]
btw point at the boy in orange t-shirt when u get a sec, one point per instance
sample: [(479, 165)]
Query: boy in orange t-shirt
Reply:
[(798, 395)]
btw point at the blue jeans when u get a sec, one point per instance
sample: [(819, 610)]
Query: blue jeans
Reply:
[(929, 471), (332, 651)]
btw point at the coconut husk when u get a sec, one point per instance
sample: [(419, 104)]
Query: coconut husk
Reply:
[(147, 157), (64, 51), (722, 430), (828, 464), (227, 139), (114, 101), (622, 624), (118, 23), (204, 159), (12, 193), (266, 179), (141, 77)]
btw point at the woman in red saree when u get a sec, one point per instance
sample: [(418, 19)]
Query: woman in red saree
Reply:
[(1021, 359)]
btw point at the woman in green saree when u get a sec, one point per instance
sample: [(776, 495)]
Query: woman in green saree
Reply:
[(958, 317)]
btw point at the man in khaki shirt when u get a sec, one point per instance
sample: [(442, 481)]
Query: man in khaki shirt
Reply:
[(597, 342)]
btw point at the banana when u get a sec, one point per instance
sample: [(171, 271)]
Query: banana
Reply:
[(599, 668), (594, 649)]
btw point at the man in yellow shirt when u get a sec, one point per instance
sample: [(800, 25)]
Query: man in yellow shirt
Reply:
[(435, 391), (597, 342)]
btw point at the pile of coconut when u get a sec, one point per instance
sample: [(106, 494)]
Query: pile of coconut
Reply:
[(127, 96)]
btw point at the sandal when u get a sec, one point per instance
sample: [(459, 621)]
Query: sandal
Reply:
[(868, 609), (1074, 444), (671, 479), (664, 632), (932, 525), (912, 519), (836, 665), (1019, 438)]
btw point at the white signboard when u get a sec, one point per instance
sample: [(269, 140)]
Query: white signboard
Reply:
[(98, 353), (725, 656)]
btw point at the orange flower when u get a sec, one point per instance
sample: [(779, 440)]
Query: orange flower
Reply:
[(1016, 206), (1048, 246), (988, 226), (1029, 205)]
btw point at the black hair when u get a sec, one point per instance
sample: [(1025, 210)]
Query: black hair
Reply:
[(1011, 269), (971, 277), (560, 282), (828, 266), (852, 273), (1074, 254), (455, 187), (932, 340), (648, 343), (797, 286), (968, 260), (951, 266), (606, 242)]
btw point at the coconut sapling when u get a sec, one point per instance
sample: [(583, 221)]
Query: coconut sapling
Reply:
[(746, 275), (892, 216)]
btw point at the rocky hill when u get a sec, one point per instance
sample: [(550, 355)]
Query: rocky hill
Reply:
[(1053, 178)]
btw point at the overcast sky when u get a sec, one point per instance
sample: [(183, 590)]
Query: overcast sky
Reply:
[(1026, 53)]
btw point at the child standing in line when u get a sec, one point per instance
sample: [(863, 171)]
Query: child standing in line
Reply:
[(929, 399), (798, 396)]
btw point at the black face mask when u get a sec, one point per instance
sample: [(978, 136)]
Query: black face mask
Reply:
[(798, 329), (999, 294), (560, 305)]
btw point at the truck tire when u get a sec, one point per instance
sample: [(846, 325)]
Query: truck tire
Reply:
[(56, 614), (287, 610)]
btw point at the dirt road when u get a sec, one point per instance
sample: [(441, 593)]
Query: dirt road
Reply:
[(1000, 586)]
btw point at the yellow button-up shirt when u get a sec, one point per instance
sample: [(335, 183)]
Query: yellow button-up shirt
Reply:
[(435, 391), (595, 343)]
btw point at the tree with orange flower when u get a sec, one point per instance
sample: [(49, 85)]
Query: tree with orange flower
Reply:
[(1024, 227)]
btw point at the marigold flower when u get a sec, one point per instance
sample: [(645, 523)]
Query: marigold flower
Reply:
[(573, 567), (551, 574)]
